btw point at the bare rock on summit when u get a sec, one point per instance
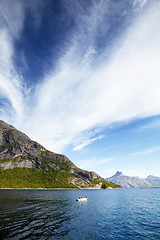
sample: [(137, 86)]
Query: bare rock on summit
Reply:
[(14, 143)]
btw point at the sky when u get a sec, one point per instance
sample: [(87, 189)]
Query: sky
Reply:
[(82, 78)]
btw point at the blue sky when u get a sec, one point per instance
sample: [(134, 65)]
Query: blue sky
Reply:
[(82, 78)]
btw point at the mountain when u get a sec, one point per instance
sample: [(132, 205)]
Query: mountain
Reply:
[(129, 182), (26, 163), (155, 181)]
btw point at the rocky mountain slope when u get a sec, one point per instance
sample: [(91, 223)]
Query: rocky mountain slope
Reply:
[(18, 150), (155, 181), (129, 182), (22, 159)]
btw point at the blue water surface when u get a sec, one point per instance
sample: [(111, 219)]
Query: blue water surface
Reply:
[(55, 214)]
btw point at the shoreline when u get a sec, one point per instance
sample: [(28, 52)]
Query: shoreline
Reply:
[(89, 188), (39, 189)]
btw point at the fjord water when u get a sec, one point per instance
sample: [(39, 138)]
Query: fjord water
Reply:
[(55, 214)]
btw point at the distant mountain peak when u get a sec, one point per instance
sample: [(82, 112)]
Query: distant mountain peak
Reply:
[(150, 176), (154, 180), (127, 182), (118, 173)]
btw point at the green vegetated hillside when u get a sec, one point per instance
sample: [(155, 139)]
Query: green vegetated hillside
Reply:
[(26, 164), (34, 178), (107, 184)]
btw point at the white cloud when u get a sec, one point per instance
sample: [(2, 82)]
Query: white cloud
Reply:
[(90, 52), (140, 3), (145, 152), (10, 83), (78, 96), (12, 87), (126, 87), (153, 124), (86, 143), (96, 164)]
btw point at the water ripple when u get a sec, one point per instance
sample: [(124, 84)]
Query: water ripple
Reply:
[(118, 214)]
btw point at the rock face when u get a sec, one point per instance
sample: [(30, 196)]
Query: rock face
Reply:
[(155, 181), (17, 146), (17, 150), (129, 182)]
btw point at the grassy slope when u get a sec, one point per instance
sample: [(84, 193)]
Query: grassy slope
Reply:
[(34, 178)]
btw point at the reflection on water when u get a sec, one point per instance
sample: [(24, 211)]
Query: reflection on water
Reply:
[(108, 214)]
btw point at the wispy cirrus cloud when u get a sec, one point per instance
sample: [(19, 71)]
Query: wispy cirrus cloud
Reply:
[(85, 143), (13, 90), (80, 97), (89, 87), (10, 82), (140, 3), (153, 124), (145, 152), (95, 164)]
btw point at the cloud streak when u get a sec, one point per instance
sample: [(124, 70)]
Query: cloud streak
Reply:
[(86, 143), (88, 89), (10, 82), (145, 152), (95, 164), (13, 91)]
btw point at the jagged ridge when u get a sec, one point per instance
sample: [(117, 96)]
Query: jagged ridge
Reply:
[(129, 182)]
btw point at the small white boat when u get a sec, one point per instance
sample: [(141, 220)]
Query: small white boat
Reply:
[(80, 199)]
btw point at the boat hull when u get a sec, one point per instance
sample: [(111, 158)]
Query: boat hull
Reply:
[(81, 199)]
